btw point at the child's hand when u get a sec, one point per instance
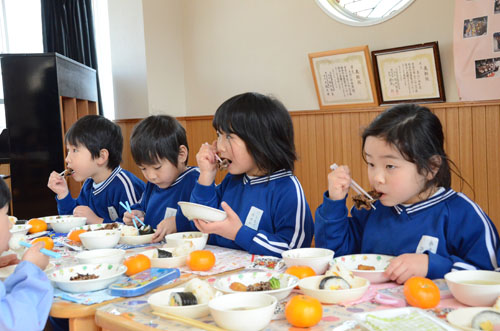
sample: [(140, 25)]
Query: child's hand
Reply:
[(34, 256), (227, 228), (127, 217), (338, 182), (207, 163), (85, 211), (163, 228), (7, 260), (58, 185), (405, 266)]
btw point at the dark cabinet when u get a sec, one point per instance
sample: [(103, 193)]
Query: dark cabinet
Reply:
[(44, 94)]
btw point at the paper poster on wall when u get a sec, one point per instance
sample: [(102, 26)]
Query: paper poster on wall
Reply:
[(476, 45)]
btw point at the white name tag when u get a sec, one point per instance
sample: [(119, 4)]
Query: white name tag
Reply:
[(113, 215), (427, 243), (169, 212), (253, 218)]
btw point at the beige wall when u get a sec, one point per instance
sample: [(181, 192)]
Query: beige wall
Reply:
[(201, 52)]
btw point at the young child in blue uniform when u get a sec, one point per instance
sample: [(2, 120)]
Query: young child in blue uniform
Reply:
[(94, 152), (430, 228), (266, 207), (159, 147), (26, 295)]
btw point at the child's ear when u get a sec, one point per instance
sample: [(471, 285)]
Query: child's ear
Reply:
[(434, 163), (103, 157), (183, 155)]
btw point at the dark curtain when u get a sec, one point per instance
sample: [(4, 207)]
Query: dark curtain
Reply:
[(68, 29)]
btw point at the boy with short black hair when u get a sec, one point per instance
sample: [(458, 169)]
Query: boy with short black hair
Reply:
[(94, 151)]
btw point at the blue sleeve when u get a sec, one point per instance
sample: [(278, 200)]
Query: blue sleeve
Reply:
[(25, 299), (66, 205), (335, 230), (208, 195), (181, 222)]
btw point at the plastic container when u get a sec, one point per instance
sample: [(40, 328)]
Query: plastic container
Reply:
[(144, 282)]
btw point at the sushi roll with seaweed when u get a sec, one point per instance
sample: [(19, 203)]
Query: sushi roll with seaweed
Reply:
[(182, 299), (486, 320), (334, 283)]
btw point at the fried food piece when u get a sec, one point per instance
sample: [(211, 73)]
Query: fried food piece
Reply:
[(361, 201), (237, 286), (365, 267)]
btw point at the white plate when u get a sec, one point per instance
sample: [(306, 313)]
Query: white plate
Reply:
[(166, 262), (462, 317), (196, 211), (159, 302), (310, 286), (379, 261), (287, 282), (107, 273), (21, 229), (137, 240)]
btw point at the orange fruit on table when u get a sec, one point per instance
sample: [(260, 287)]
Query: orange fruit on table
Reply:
[(421, 292), (48, 242), (37, 225), (300, 271), (75, 235), (303, 311), (136, 264), (201, 260)]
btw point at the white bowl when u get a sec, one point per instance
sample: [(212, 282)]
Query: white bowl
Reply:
[(243, 311), (106, 255), (20, 229), (484, 290), (198, 239), (462, 317), (108, 273), (100, 239), (316, 258), (379, 261), (160, 303), (196, 211), (50, 219), (310, 286), (65, 224), (287, 282), (137, 240), (166, 262)]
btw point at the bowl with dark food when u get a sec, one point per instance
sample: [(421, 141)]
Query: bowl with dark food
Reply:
[(479, 288), (334, 289), (369, 266), (131, 235), (86, 277)]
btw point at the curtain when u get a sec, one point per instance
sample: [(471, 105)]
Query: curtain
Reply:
[(68, 29)]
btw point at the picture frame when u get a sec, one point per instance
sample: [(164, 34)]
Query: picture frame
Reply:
[(409, 74), (344, 78)]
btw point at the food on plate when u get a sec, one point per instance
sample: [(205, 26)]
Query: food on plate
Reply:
[(109, 226), (200, 260), (80, 276), (271, 284), (303, 311), (136, 264), (146, 229), (182, 299), (164, 254), (334, 283), (191, 236), (362, 201), (37, 225), (339, 269), (365, 267), (75, 235), (421, 292), (47, 241), (237, 286), (128, 230), (268, 262), (196, 292), (300, 271), (486, 320)]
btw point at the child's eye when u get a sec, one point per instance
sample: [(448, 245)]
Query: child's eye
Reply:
[(371, 165), (158, 167), (228, 136), (390, 166)]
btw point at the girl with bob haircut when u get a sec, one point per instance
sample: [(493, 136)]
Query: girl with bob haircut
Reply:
[(269, 213), (419, 218)]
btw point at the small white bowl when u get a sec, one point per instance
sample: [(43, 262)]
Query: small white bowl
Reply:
[(196, 211), (287, 282), (479, 288), (165, 262), (13, 219), (100, 239), (137, 240), (106, 255), (198, 239), (310, 286), (20, 229), (65, 224), (108, 273), (316, 258), (243, 311), (462, 317), (379, 261), (160, 303)]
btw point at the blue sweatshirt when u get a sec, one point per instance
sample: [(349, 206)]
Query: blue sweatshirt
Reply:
[(158, 203), (273, 210), (104, 198), (449, 227), (25, 299)]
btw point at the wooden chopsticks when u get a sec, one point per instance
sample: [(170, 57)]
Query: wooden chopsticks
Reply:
[(356, 187), (188, 321)]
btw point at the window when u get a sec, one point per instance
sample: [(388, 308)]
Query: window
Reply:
[(363, 12)]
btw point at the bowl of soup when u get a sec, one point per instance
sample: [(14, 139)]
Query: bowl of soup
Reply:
[(479, 288)]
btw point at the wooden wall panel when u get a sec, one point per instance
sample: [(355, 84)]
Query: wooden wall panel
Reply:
[(472, 138)]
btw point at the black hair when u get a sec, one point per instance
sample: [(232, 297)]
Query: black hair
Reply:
[(95, 133), (418, 135), (157, 137), (265, 126), (4, 193)]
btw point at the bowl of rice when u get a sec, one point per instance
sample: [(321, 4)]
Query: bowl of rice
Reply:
[(198, 239)]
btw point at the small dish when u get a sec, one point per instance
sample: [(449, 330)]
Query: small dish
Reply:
[(160, 303), (137, 240), (198, 239), (462, 317), (166, 262), (20, 229), (287, 282), (379, 261), (100, 239), (196, 211), (106, 255), (316, 258), (479, 288), (310, 286), (66, 223), (107, 273)]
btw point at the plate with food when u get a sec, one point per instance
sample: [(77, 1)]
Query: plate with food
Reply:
[(169, 256), (475, 318), (369, 266), (277, 284), (131, 235), (334, 289)]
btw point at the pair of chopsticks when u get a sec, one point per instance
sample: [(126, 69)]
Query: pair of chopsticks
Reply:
[(356, 187), (189, 321), (43, 250), (126, 206)]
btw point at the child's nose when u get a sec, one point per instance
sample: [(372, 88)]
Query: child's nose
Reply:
[(379, 177)]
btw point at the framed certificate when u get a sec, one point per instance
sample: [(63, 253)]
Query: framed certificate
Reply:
[(409, 74), (343, 78)]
